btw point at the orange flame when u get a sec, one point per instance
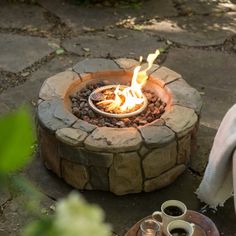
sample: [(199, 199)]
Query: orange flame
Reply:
[(126, 99)]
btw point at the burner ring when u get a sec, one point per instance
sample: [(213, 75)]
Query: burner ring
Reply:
[(107, 114)]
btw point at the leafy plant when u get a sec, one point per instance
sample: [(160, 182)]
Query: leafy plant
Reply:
[(16, 140), (73, 216)]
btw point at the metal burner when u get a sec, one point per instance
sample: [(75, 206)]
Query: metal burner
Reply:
[(107, 114)]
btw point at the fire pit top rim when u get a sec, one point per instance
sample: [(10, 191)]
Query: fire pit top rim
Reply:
[(57, 86)]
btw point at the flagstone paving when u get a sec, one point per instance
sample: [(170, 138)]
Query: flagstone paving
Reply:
[(114, 43), (197, 39), (19, 52), (16, 16)]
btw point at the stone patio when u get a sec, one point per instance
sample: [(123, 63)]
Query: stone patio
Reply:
[(198, 40)]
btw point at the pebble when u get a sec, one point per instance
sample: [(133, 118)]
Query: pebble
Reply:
[(90, 87), (120, 124), (102, 121), (83, 112), (151, 105), (94, 121), (153, 99), (87, 93), (148, 113), (82, 90), (109, 124), (81, 105), (148, 96), (143, 122), (74, 104), (86, 118), (157, 103), (97, 97), (91, 114), (149, 119), (75, 109)]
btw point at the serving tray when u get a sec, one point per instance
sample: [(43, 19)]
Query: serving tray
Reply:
[(204, 226)]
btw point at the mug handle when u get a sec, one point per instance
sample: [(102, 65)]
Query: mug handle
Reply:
[(194, 227), (157, 213)]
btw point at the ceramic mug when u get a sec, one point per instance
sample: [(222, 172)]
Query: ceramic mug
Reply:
[(180, 227), (170, 210)]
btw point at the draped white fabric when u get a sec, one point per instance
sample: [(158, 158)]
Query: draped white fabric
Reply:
[(220, 175)]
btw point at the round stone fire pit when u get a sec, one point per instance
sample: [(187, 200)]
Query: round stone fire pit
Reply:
[(120, 160)]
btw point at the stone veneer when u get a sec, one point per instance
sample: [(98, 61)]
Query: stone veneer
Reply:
[(120, 160)]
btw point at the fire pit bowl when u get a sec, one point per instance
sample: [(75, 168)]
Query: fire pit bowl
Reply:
[(123, 159), (122, 115)]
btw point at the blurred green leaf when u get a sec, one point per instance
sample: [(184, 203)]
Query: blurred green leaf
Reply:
[(16, 139), (42, 227), (138, 27), (162, 50), (136, 5), (60, 51)]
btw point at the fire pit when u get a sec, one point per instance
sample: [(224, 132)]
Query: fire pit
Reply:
[(141, 149)]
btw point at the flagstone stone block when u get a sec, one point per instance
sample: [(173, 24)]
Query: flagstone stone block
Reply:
[(125, 175)]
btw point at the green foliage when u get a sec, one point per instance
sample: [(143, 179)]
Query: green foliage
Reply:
[(73, 217), (162, 50), (60, 51), (16, 140), (42, 227)]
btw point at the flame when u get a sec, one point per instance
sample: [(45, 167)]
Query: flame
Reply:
[(128, 98)]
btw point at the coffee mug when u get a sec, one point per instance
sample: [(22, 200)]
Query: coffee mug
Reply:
[(170, 210), (180, 228), (150, 227)]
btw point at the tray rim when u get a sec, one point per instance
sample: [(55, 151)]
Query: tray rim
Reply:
[(133, 230)]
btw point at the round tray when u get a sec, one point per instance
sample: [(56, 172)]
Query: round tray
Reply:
[(204, 225)]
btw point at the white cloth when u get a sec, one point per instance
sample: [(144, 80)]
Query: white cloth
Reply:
[(217, 184)]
